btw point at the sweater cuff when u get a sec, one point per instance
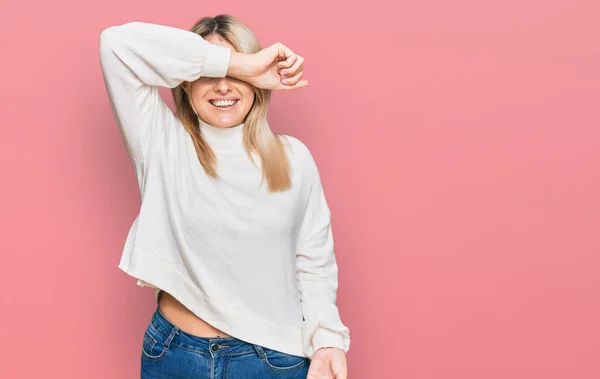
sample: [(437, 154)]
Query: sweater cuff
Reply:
[(328, 338), (321, 333), (216, 61)]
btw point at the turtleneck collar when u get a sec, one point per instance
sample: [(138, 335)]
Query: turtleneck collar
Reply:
[(222, 139)]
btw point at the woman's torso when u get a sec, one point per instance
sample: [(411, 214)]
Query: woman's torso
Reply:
[(189, 206)]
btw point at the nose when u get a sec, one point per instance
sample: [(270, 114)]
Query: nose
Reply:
[(222, 85)]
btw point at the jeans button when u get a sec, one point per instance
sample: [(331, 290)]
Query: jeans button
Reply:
[(214, 347)]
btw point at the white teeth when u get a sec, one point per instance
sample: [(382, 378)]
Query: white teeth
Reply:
[(223, 103)]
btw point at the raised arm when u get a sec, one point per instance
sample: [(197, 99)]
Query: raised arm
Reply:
[(136, 58), (317, 271)]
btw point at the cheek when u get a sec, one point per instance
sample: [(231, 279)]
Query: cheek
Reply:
[(248, 95), (199, 93)]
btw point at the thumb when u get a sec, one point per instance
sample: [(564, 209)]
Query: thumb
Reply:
[(300, 84)]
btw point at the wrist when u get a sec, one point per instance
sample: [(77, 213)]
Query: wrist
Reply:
[(236, 65)]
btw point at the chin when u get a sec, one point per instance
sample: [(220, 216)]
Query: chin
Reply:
[(225, 122)]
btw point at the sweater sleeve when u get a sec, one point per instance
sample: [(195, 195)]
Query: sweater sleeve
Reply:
[(317, 271), (136, 58)]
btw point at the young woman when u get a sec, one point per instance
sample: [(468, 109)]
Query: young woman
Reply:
[(234, 231)]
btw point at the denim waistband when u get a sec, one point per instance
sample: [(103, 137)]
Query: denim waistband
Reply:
[(204, 345)]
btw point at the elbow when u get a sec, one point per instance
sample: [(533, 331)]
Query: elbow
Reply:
[(113, 35), (116, 35), (107, 38)]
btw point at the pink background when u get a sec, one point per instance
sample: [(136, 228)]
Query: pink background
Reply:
[(459, 148)]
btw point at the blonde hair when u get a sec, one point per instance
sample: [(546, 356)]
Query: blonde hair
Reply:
[(257, 136)]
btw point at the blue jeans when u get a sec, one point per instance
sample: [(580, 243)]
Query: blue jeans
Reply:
[(169, 352)]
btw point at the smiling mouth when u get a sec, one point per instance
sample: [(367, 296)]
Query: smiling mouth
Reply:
[(224, 104)]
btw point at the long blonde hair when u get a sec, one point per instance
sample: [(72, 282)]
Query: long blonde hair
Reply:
[(257, 135)]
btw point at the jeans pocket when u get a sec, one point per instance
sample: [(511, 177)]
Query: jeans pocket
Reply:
[(153, 348), (281, 362)]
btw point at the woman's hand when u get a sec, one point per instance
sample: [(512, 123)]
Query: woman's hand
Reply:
[(275, 67), (328, 363)]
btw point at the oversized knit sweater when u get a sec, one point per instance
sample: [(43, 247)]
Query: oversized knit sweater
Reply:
[(258, 265)]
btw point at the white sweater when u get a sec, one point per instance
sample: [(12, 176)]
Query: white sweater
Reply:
[(260, 266)]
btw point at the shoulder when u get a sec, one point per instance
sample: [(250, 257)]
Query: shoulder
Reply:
[(298, 148), (301, 155)]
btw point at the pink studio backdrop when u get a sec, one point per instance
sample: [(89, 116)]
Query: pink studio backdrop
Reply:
[(458, 144)]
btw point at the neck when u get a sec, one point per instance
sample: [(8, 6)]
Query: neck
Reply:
[(222, 138)]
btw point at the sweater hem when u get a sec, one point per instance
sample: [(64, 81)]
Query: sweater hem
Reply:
[(145, 265)]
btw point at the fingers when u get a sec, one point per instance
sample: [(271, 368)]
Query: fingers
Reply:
[(295, 81), (291, 63), (290, 68), (295, 68), (289, 81), (286, 56), (288, 62)]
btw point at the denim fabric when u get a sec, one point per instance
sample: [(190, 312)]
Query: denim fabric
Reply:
[(169, 352)]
